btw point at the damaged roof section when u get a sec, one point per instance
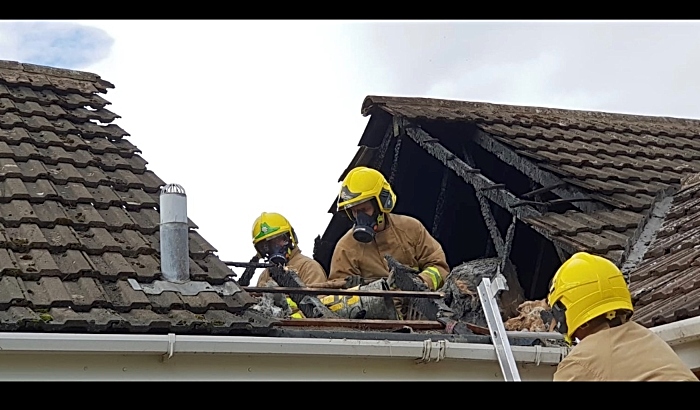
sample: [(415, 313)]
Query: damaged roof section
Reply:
[(628, 185), (619, 164), (79, 216), (665, 285)]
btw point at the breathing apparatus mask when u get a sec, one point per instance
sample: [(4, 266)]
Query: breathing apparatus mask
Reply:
[(366, 225), (276, 250)]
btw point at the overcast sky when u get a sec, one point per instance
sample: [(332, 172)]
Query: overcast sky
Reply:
[(253, 116)]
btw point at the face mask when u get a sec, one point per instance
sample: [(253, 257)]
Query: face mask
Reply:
[(275, 251), (364, 228), (278, 255)]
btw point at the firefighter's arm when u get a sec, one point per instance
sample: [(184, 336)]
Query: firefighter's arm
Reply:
[(431, 259), (573, 371), (264, 277), (343, 262), (313, 273)]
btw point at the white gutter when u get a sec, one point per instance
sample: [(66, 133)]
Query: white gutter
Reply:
[(63, 356), (684, 337), (173, 344), (683, 331), (154, 357)]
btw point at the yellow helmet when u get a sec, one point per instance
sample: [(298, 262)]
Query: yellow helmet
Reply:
[(587, 286), (269, 225), (363, 184)]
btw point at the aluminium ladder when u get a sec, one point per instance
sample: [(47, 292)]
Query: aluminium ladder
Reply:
[(487, 293)]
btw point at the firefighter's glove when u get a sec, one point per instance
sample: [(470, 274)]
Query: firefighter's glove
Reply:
[(352, 281)]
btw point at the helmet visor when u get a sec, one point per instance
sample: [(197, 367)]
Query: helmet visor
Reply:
[(346, 196)]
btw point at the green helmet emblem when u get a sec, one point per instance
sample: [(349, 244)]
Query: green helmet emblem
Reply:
[(266, 229)]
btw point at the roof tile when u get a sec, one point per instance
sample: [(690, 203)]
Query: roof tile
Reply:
[(10, 120), (71, 85), (73, 193), (147, 267), (10, 292), (73, 263), (203, 302), (112, 266), (47, 292), (134, 243), (64, 173), (96, 241), (26, 236), (86, 293), (37, 262)]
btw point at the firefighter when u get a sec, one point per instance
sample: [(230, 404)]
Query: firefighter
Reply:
[(275, 240), (368, 200), (592, 306)]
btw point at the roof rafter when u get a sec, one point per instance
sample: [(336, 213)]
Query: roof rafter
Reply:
[(491, 190)]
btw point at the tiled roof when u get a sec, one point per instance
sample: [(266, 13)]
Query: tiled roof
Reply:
[(665, 286), (622, 162), (79, 216)]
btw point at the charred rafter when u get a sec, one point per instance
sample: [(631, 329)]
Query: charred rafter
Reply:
[(440, 204), (536, 192), (490, 223), (487, 212), (395, 162), (558, 187), (501, 197), (378, 160)]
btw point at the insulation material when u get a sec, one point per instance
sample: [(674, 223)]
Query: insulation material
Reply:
[(534, 316)]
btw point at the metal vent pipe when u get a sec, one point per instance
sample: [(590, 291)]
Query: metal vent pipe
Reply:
[(174, 234)]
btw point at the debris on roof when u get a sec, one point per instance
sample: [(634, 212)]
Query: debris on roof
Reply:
[(533, 316), (273, 304)]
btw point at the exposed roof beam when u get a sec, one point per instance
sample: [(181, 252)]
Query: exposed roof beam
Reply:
[(532, 171), (647, 230), (493, 191)]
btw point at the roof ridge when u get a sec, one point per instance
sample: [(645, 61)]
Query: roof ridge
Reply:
[(54, 71), (374, 100)]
